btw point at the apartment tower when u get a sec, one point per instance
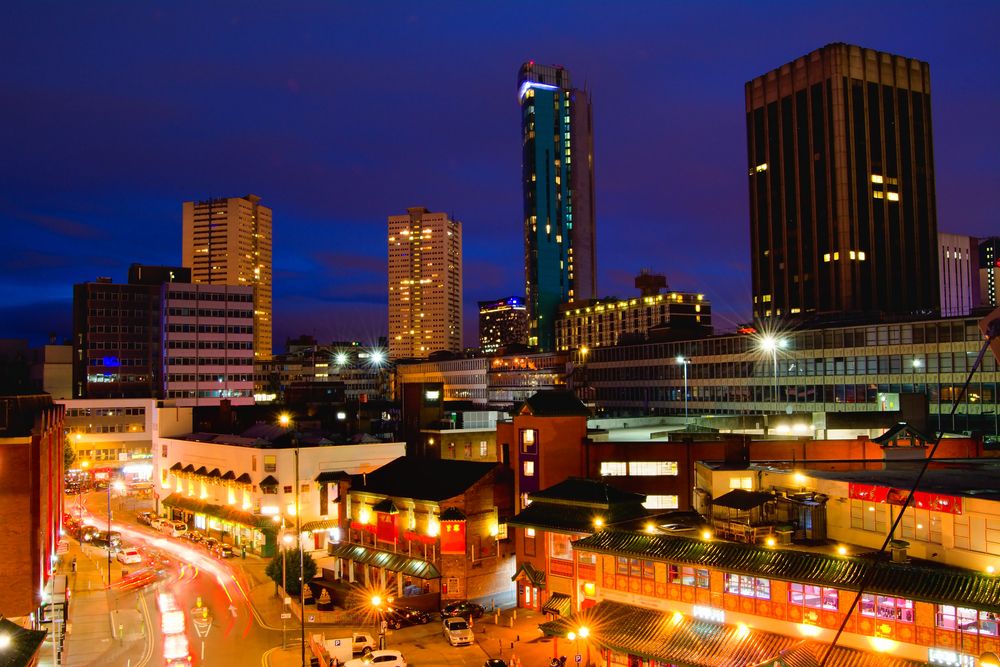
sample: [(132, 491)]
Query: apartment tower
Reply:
[(557, 173), (425, 284), (501, 323), (841, 180), (227, 241)]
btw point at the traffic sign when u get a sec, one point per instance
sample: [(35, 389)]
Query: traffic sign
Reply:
[(286, 615), (578, 657)]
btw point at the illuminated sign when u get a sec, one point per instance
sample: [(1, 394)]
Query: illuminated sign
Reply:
[(432, 395), (923, 500), (709, 614), (940, 656)]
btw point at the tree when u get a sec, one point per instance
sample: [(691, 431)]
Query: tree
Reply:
[(69, 456), (274, 569)]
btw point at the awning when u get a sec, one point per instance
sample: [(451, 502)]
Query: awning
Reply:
[(268, 482), (188, 468), (558, 603), (229, 476), (203, 471), (23, 644), (265, 524), (325, 524), (413, 567), (328, 476), (215, 473), (738, 499), (531, 573), (175, 467), (656, 635), (244, 479)]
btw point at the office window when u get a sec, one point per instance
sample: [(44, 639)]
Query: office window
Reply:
[(613, 468), (661, 502), (745, 483), (483, 449), (653, 468), (270, 463)]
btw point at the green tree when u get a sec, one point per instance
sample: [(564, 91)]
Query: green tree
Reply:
[(69, 456), (274, 569)]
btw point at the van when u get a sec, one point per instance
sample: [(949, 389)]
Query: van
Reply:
[(174, 528)]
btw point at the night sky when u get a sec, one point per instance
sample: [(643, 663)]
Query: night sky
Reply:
[(340, 113)]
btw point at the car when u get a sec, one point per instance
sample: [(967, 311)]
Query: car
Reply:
[(398, 617), (145, 518), (88, 533), (155, 522), (194, 535), (209, 543), (223, 550), (387, 658), (457, 631), (129, 556), (462, 608), (174, 528)]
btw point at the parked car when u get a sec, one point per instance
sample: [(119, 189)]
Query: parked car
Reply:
[(129, 556), (462, 608), (398, 617), (145, 518), (223, 550), (156, 522), (387, 658), (174, 528), (209, 543), (88, 533), (194, 535), (457, 631)]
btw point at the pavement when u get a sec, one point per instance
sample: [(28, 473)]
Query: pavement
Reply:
[(104, 628)]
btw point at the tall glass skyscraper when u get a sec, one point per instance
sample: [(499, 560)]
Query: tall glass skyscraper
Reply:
[(841, 172), (558, 181)]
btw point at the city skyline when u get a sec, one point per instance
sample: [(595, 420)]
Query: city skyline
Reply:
[(668, 166)]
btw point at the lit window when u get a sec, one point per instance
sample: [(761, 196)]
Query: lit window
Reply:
[(613, 468), (892, 196), (654, 502), (748, 587), (876, 178), (653, 468), (529, 468), (861, 255), (761, 167), (745, 483), (815, 597), (529, 532), (878, 194), (826, 257)]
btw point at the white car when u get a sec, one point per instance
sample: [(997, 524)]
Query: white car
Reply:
[(129, 556), (457, 631), (379, 659)]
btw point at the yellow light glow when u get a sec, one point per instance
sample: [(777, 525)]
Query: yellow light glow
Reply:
[(78, 436), (799, 478), (494, 530), (584, 632), (771, 541), (598, 523), (706, 534), (291, 509), (284, 419), (990, 569), (677, 618), (650, 528), (376, 601), (807, 630), (84, 464), (742, 631), (883, 645), (433, 528), (363, 515), (842, 550), (571, 636)]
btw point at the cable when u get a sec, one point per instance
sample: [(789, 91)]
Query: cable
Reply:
[(993, 330)]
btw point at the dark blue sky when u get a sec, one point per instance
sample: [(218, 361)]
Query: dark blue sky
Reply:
[(341, 113)]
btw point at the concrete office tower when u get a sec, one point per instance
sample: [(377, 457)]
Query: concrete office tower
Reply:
[(227, 241), (841, 174), (425, 284), (958, 264), (502, 323), (989, 267), (557, 174)]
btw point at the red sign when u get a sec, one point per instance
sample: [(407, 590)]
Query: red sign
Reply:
[(934, 502), (453, 537), (387, 530)]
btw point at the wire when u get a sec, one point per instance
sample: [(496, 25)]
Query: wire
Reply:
[(993, 331)]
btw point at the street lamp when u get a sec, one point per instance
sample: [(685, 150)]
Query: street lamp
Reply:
[(377, 606), (286, 540), (684, 362)]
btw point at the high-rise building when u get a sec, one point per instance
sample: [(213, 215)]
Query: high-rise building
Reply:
[(227, 241), (989, 266), (958, 266), (841, 179), (425, 284), (502, 322), (557, 173)]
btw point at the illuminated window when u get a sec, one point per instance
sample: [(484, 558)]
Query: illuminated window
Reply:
[(529, 468), (889, 608), (815, 597), (653, 468), (826, 257), (529, 532), (613, 469), (654, 502), (861, 255), (853, 255), (745, 483), (687, 576), (892, 196), (876, 178), (748, 587), (966, 620), (878, 194), (527, 440), (761, 167)]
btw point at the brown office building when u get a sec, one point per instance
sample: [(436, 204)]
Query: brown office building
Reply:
[(841, 179)]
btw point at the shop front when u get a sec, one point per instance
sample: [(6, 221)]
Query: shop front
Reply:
[(256, 532)]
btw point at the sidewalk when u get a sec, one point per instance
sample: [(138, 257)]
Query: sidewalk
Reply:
[(90, 635)]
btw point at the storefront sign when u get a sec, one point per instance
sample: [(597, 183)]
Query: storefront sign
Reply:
[(709, 614), (940, 656), (453, 537), (387, 529), (934, 502)]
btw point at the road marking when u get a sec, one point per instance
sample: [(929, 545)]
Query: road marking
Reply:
[(147, 653)]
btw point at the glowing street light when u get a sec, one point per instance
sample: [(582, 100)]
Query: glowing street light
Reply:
[(284, 419), (771, 344)]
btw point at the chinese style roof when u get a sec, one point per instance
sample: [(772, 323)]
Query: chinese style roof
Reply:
[(422, 479), (904, 430), (176, 466), (188, 468), (583, 491), (452, 514), (531, 573), (22, 644), (666, 637), (413, 567), (559, 604), (574, 505), (385, 505), (262, 523), (938, 585), (324, 524)]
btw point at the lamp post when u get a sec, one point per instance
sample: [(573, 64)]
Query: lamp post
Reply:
[(286, 541), (684, 362), (302, 557), (771, 344), (377, 606)]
